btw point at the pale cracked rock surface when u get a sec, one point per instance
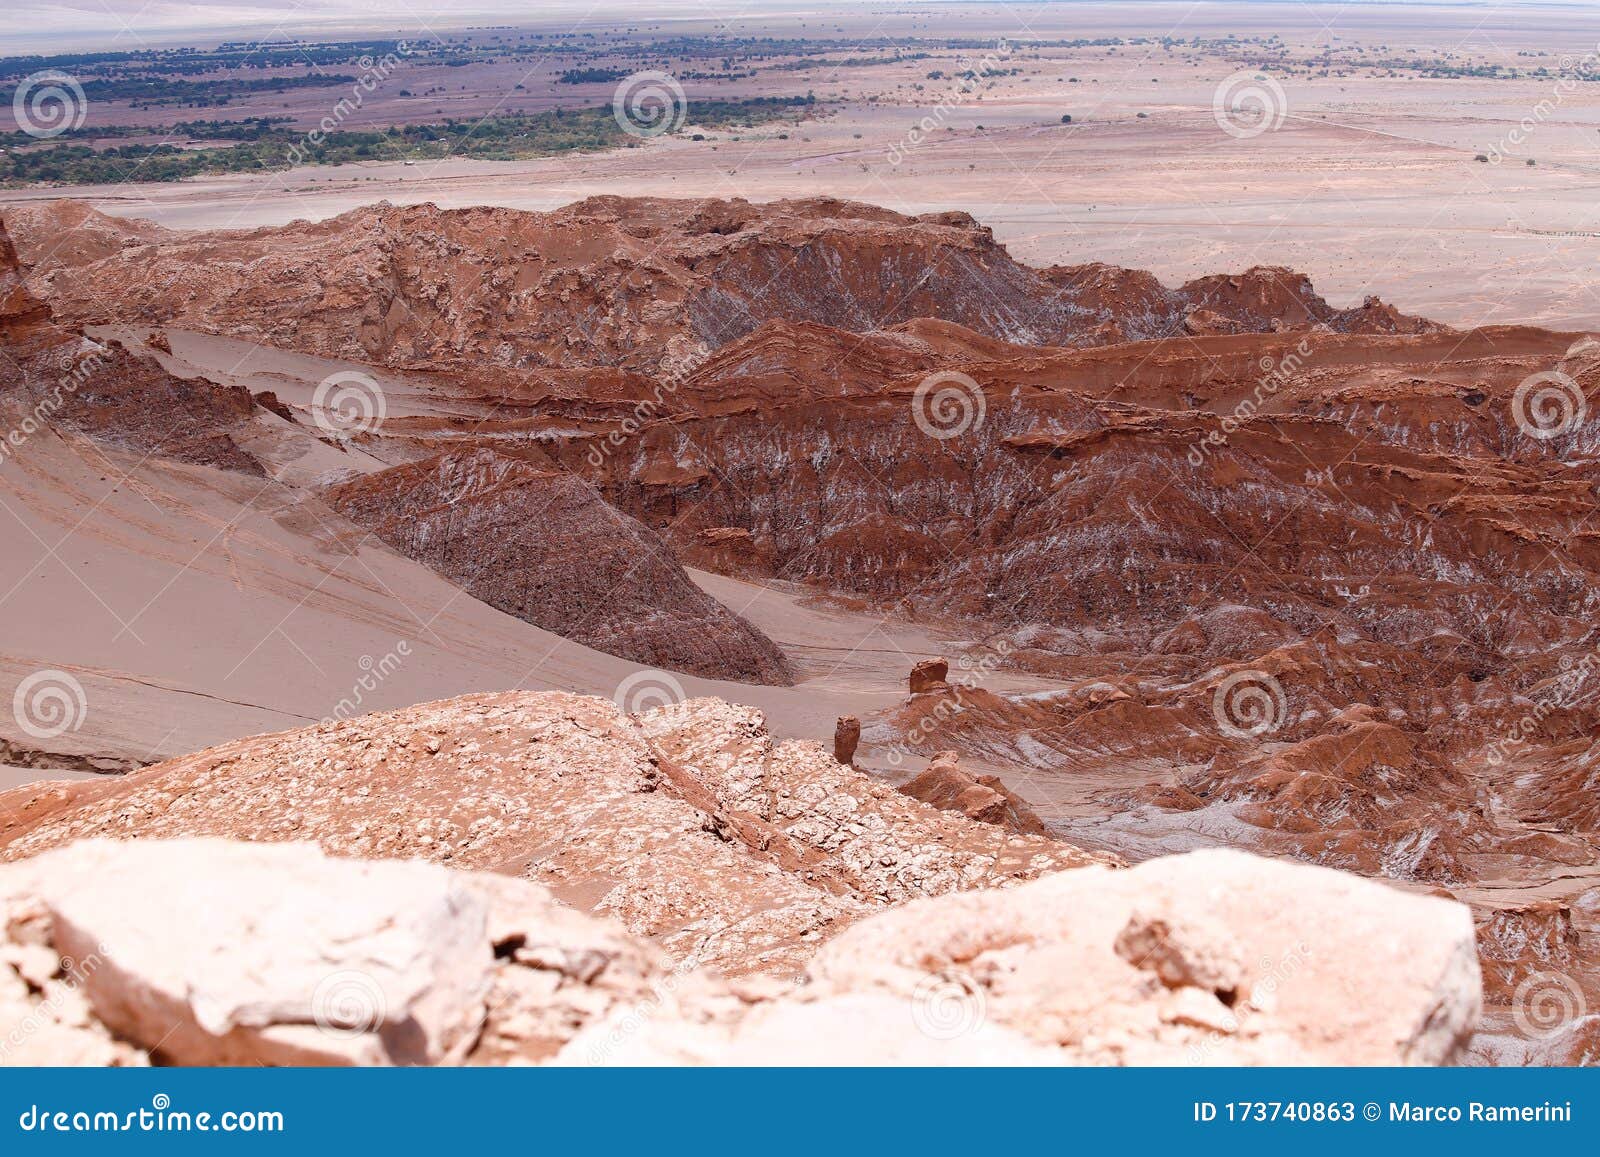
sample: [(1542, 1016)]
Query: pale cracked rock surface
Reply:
[(1213, 957), (688, 824), (223, 952), (202, 952)]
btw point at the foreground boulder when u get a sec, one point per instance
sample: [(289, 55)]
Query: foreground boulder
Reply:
[(205, 952), (215, 952), (1215, 957)]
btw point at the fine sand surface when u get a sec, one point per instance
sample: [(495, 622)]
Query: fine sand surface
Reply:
[(11, 777), (194, 606)]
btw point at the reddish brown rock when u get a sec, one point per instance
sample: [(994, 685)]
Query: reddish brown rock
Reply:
[(544, 546), (423, 286), (846, 735), (1303, 578), (983, 797), (928, 676), (60, 377)]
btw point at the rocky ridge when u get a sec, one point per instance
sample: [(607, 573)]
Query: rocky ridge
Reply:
[(616, 281), (688, 823)]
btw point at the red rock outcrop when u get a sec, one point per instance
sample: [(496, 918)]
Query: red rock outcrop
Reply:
[(56, 375), (1220, 562), (984, 798), (543, 545), (637, 282), (928, 676)]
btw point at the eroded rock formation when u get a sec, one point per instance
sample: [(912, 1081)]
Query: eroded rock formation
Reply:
[(543, 545), (636, 282), (978, 797), (1221, 562)]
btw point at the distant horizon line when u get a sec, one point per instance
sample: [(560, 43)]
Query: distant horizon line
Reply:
[(54, 36)]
